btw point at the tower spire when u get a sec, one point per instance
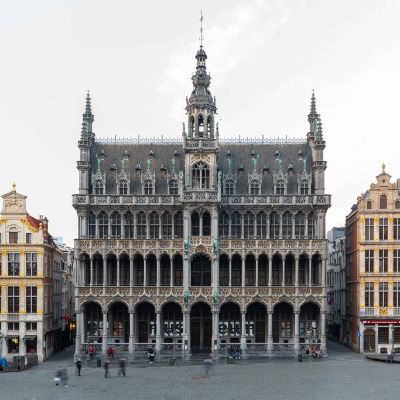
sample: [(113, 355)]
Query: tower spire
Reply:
[(201, 29), (88, 117)]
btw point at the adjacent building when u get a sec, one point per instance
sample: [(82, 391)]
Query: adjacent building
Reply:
[(201, 243), (28, 259), (336, 284), (373, 268)]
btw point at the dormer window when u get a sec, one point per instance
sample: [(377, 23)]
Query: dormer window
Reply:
[(304, 186), (280, 187), (98, 187), (254, 187), (200, 125), (148, 186), (229, 186), (173, 186), (123, 187)]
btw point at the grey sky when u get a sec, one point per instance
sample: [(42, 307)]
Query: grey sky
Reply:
[(265, 57)]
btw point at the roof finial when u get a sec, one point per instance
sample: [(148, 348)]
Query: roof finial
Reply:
[(201, 29), (383, 167), (88, 105), (13, 186)]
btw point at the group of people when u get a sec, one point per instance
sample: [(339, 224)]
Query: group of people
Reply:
[(316, 352), (121, 370)]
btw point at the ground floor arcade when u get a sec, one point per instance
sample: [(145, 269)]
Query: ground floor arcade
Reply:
[(201, 328)]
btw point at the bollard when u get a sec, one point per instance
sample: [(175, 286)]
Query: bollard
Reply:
[(300, 357)]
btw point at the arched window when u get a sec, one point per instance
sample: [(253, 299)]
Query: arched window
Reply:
[(223, 270), (250, 270), (191, 127), (236, 265), (128, 225), (154, 224), (173, 186), (223, 224), (383, 202), (261, 225), (229, 186), (151, 267), (200, 124), (209, 125), (248, 225), (397, 204), (304, 186), (148, 186), (138, 270), (287, 225), (254, 187), (103, 225), (115, 225), (98, 187), (141, 225), (236, 225), (274, 225), (178, 224), (310, 225), (195, 224), (167, 225), (280, 187), (200, 176), (299, 225), (123, 186), (369, 205), (92, 225), (206, 224), (178, 270)]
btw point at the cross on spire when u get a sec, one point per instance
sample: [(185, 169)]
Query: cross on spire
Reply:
[(201, 29)]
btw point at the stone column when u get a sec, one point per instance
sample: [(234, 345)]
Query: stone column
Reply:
[(243, 272), (243, 345), (230, 271), (134, 226), (105, 330), (309, 270), (296, 272), (256, 282), (270, 339), (296, 332), (215, 331), (323, 331), (118, 271), (131, 271), (158, 331), (270, 271), (283, 271), (104, 273), (91, 271), (131, 327), (144, 272), (79, 329), (158, 273)]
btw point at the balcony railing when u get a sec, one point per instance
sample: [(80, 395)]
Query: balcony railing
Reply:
[(380, 311)]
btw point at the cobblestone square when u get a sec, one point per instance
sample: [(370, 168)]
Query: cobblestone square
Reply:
[(343, 375)]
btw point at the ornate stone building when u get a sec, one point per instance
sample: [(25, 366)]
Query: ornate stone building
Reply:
[(201, 244), (29, 260), (373, 268)]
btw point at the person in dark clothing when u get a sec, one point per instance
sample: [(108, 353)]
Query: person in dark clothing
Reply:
[(122, 367), (78, 366), (106, 369)]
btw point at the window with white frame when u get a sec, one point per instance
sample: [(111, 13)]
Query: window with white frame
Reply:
[(369, 294), (369, 261), (31, 264), (13, 264)]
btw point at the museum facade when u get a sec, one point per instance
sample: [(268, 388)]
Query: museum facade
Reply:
[(201, 244)]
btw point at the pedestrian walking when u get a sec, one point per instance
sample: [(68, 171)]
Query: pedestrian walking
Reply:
[(64, 377), (57, 376), (91, 352), (208, 364), (106, 369), (78, 367), (122, 367)]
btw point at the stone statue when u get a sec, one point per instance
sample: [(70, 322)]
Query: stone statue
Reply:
[(216, 300)]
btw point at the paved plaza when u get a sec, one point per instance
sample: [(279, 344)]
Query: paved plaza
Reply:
[(343, 375)]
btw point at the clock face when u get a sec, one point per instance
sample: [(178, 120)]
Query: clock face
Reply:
[(13, 207)]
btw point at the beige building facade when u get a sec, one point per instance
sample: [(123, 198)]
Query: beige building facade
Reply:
[(27, 258), (373, 268)]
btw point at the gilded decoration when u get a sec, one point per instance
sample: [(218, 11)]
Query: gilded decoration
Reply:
[(28, 225), (3, 221)]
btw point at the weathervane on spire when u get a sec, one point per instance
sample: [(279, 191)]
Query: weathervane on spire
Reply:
[(201, 29)]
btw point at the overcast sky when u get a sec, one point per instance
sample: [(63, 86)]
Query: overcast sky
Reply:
[(137, 58)]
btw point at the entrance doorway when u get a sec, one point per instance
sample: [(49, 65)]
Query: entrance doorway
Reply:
[(369, 341), (200, 328)]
